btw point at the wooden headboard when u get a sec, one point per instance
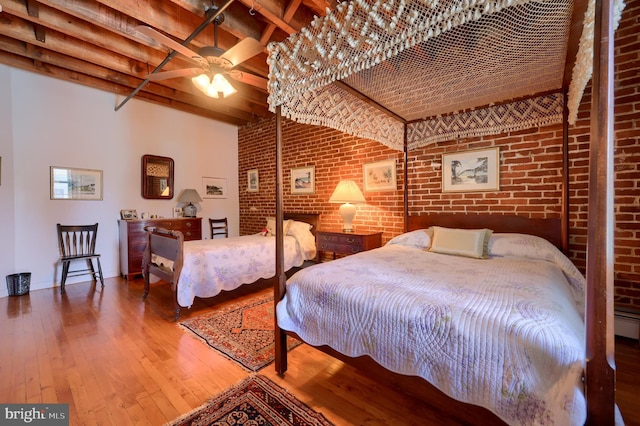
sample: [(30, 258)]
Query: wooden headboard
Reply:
[(311, 218), (549, 229)]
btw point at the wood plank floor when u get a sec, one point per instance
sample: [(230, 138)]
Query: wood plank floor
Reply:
[(117, 360)]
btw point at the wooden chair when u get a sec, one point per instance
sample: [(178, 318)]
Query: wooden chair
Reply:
[(163, 258), (78, 242), (219, 227)]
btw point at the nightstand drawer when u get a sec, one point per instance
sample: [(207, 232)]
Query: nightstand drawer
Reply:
[(340, 239), (340, 248), (346, 242)]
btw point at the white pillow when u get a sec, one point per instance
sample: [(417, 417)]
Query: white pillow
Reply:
[(420, 238), (297, 227), (461, 242), (271, 226), (301, 231)]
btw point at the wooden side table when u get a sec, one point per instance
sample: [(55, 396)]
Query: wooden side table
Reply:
[(345, 242)]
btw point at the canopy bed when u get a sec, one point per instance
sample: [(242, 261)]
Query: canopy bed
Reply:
[(411, 73)]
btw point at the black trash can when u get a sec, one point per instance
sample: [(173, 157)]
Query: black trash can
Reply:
[(18, 284)]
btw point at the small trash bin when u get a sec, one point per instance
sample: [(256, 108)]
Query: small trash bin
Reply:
[(18, 284)]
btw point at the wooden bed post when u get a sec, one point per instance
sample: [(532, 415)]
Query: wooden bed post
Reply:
[(405, 185), (600, 368), (280, 278), (564, 224)]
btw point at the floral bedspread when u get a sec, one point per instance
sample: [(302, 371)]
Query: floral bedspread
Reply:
[(211, 266), (506, 333)]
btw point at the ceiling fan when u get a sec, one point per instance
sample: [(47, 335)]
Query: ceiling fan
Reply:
[(213, 63)]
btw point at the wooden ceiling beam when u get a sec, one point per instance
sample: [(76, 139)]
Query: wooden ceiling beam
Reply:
[(186, 93), (94, 42), (65, 74), (139, 59)]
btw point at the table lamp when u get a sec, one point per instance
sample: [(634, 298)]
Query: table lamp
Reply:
[(189, 196), (347, 192)]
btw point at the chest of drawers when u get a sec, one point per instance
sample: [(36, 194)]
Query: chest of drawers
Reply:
[(133, 239)]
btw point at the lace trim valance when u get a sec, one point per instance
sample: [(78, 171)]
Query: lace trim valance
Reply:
[(520, 115)]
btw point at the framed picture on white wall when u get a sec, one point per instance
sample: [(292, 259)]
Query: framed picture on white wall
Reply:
[(213, 187)]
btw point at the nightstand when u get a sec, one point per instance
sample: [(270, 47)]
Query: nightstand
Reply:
[(346, 242)]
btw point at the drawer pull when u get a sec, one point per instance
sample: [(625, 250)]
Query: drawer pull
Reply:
[(351, 240), (188, 233), (326, 238), (188, 224), (355, 249)]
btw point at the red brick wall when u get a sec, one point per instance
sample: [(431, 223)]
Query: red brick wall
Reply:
[(334, 155), (530, 172)]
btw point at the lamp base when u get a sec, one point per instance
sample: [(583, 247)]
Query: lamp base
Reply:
[(189, 210), (348, 212)]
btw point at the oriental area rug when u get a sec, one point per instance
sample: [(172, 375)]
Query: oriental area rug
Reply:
[(243, 331), (254, 401)]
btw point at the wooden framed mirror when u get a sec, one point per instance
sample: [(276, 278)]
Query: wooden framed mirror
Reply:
[(157, 177)]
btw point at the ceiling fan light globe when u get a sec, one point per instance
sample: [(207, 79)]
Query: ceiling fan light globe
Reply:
[(201, 81), (222, 85)]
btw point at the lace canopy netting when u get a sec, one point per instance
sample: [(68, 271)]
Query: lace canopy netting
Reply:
[(446, 69)]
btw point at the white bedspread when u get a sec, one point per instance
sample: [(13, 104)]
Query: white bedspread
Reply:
[(505, 333), (211, 266)]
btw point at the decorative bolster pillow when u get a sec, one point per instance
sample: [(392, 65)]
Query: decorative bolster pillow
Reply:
[(461, 242), (162, 263)]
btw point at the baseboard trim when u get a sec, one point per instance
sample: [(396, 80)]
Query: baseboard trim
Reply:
[(627, 324)]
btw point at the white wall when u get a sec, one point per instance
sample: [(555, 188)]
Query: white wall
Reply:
[(47, 122)]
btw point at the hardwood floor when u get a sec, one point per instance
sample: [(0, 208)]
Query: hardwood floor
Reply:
[(117, 360)]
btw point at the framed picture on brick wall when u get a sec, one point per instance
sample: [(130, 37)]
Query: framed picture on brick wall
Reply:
[(467, 171), (380, 176), (253, 182), (303, 180)]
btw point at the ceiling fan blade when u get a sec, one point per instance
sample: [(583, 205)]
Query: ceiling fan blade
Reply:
[(164, 75), (242, 51), (252, 79), (166, 41)]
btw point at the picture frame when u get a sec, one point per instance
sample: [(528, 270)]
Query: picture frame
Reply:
[(178, 212), (303, 180), (213, 187), (69, 183), (253, 182), (128, 214), (380, 175), (474, 170)]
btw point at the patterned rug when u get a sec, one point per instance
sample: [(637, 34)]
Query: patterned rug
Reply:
[(254, 401), (244, 331)]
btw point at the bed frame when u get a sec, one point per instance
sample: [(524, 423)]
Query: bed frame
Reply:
[(549, 229), (170, 244)]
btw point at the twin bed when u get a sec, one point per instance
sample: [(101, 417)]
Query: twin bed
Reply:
[(204, 268)]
